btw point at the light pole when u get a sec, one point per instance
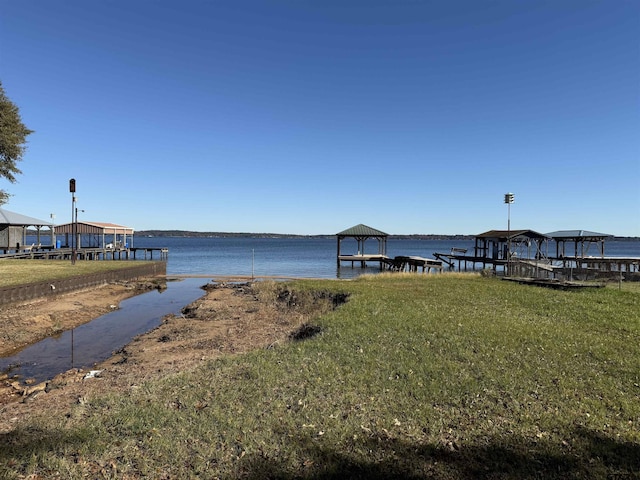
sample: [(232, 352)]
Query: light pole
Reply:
[(508, 199), (78, 236), (72, 189), (53, 229)]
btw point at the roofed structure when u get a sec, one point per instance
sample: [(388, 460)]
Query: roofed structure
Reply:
[(97, 234), (361, 233), (496, 244), (362, 230), (17, 219), (13, 229), (582, 240)]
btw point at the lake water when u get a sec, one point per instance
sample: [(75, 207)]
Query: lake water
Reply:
[(304, 257)]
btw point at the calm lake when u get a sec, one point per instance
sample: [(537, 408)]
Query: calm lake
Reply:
[(303, 257)]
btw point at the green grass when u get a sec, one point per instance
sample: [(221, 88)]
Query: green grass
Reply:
[(448, 376), (18, 272)]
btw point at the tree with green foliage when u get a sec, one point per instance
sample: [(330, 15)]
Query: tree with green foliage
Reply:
[(13, 137)]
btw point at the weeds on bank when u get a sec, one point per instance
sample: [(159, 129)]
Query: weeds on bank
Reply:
[(415, 376)]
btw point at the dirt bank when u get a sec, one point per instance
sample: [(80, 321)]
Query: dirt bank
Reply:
[(230, 318), (24, 323)]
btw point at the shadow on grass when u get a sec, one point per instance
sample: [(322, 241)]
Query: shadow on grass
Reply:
[(591, 455), (21, 446), (504, 458)]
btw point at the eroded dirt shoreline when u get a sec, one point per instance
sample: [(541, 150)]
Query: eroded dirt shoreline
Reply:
[(230, 318)]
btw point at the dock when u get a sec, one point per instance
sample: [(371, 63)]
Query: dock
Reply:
[(360, 233), (413, 264), (363, 259), (91, 253), (564, 267), (395, 264), (554, 284)]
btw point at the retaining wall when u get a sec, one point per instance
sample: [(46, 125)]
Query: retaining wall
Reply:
[(55, 287)]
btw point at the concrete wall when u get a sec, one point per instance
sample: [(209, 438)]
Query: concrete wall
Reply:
[(69, 284)]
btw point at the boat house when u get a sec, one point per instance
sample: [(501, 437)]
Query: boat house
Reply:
[(501, 248), (503, 245), (13, 230), (96, 235)]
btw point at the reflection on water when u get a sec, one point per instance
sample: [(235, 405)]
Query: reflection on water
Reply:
[(97, 340)]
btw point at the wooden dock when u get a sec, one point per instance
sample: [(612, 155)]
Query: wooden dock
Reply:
[(413, 264), (464, 261), (363, 259), (396, 264), (555, 284), (602, 264), (569, 267), (94, 253)]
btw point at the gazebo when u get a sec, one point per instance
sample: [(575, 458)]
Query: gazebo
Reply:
[(97, 234), (13, 230), (361, 233), (582, 241), (501, 244)]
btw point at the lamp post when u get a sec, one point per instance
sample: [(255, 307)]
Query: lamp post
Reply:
[(508, 199), (72, 189), (53, 229), (78, 236)]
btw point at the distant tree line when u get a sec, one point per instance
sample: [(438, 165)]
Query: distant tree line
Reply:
[(188, 233)]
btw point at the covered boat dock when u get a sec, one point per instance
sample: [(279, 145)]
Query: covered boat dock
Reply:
[(361, 233), (13, 231), (499, 249)]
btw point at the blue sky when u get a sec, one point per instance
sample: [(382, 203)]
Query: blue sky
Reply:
[(411, 116)]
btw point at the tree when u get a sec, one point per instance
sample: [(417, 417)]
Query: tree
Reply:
[(13, 136)]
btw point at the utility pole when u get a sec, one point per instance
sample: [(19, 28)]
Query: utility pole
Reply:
[(508, 199), (72, 189)]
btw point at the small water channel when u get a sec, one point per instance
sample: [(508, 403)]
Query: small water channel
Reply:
[(95, 341)]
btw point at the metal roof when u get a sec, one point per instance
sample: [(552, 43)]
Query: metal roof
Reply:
[(577, 235), (96, 228), (12, 218), (504, 234), (361, 230)]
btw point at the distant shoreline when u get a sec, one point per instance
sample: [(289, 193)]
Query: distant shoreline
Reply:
[(192, 234)]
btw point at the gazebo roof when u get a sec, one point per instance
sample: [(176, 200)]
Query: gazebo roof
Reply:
[(12, 218), (506, 234), (577, 235), (361, 230)]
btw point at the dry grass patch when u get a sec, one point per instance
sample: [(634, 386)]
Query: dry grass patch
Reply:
[(18, 272)]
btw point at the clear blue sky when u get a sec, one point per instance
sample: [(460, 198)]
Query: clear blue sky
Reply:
[(411, 116)]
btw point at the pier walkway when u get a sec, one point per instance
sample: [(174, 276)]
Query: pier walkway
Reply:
[(95, 253), (396, 264)]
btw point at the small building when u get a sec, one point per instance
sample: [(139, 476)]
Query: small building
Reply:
[(13, 230), (96, 234)]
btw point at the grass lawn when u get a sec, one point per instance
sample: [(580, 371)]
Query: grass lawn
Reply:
[(446, 376), (18, 272)]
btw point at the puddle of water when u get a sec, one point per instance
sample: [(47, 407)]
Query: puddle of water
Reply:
[(97, 340)]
